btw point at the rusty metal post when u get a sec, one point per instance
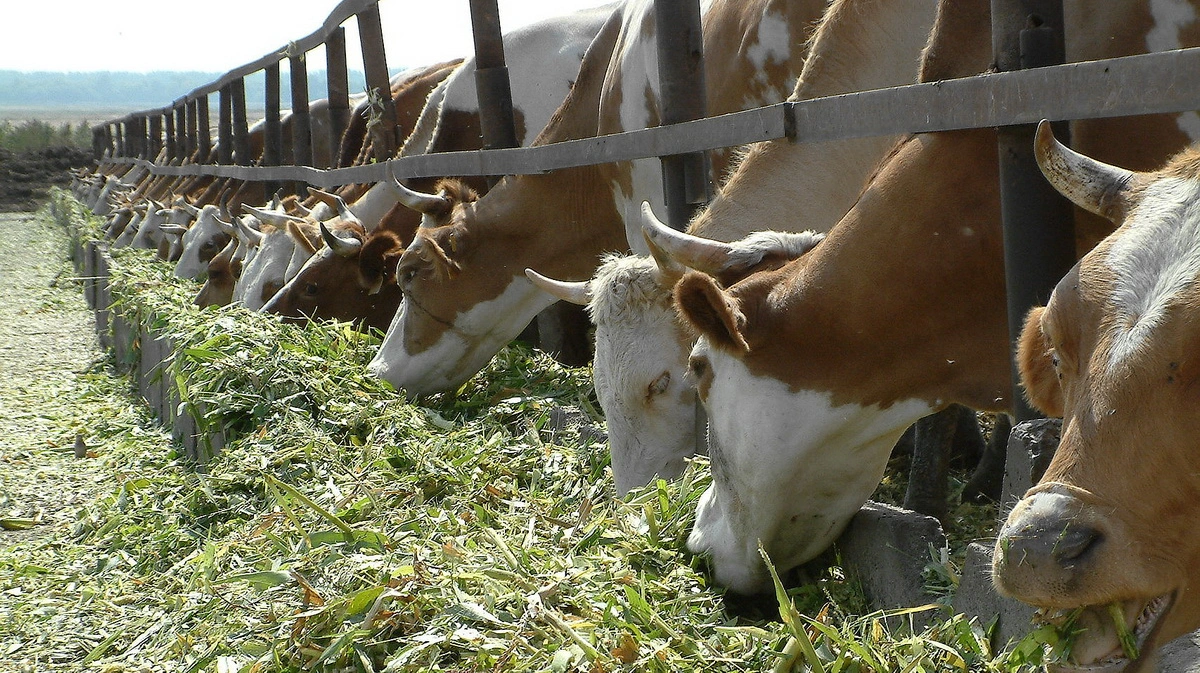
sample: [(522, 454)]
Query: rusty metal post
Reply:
[(241, 127), (680, 41), (1039, 234), (204, 129), (338, 86), (492, 84), (273, 129), (225, 126), (370, 33)]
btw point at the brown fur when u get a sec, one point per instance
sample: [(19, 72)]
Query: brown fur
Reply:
[(1035, 359), (710, 311)]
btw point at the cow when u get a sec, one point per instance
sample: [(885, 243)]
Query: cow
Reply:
[(1110, 527), (203, 240), (544, 58), (465, 291), (641, 349), (810, 372)]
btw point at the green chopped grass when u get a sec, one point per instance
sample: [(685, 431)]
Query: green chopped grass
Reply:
[(345, 529)]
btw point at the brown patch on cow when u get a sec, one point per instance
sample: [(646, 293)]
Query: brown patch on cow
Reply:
[(307, 236), (711, 311), (378, 259)]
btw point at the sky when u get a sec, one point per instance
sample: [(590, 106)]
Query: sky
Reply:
[(220, 35)]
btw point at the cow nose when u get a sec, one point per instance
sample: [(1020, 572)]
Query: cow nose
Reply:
[(1044, 548)]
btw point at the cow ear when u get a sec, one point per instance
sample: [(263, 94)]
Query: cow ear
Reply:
[(711, 310), (439, 248), (1035, 359)]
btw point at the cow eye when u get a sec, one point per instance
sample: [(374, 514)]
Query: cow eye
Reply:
[(698, 366), (311, 289), (407, 275), (659, 385)]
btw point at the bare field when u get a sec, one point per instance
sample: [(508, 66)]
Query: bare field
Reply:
[(60, 115)]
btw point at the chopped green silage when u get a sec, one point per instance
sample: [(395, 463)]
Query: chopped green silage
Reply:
[(345, 529)]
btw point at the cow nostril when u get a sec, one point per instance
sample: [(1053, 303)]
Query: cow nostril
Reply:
[(1075, 542)]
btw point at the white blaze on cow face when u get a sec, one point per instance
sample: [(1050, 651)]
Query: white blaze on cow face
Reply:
[(201, 242), (471, 339), (639, 369), (263, 276), (775, 477), (1156, 257)]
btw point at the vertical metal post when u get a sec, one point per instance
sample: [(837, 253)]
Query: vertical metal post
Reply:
[(225, 126), (143, 137), (156, 136), (492, 84), (122, 150), (370, 33), (686, 187), (169, 118), (241, 127), (680, 41), (338, 84), (273, 131), (203, 129), (301, 126), (181, 139), (193, 135), (1039, 235)]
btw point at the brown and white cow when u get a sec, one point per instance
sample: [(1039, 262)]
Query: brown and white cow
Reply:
[(810, 372), (641, 349), (456, 316), (1114, 353), (544, 59)]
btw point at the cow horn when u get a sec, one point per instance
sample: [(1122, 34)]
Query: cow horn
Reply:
[(342, 247), (304, 212), (694, 252), (272, 217), (577, 292), (252, 236), (418, 201), (226, 227), (1093, 185), (344, 211), (173, 229)]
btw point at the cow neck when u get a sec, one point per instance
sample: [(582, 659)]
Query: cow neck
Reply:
[(856, 48), (559, 222), (905, 298)]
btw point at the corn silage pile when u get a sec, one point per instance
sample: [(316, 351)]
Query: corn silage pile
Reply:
[(345, 529)]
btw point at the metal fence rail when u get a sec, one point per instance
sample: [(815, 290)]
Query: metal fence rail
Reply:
[(1132, 85)]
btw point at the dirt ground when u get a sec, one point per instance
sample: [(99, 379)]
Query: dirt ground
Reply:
[(25, 176), (47, 340)]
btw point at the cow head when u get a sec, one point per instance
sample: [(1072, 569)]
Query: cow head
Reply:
[(327, 286), (1110, 528), (203, 240), (263, 274), (222, 274)]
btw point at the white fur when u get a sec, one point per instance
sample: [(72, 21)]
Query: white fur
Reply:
[(267, 266), (1154, 258), (789, 469), (204, 230), (638, 344), (465, 348)]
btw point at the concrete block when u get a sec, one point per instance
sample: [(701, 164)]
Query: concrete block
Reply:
[(887, 548), (1181, 655), (976, 597), (1031, 445)]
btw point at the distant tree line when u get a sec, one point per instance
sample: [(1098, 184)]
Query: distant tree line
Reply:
[(39, 135), (136, 90)]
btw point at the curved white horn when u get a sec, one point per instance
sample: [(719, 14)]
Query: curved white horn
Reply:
[(173, 229), (418, 201), (304, 212), (1092, 185), (342, 247), (576, 292), (249, 234), (344, 211), (226, 227), (694, 252), (272, 217)]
